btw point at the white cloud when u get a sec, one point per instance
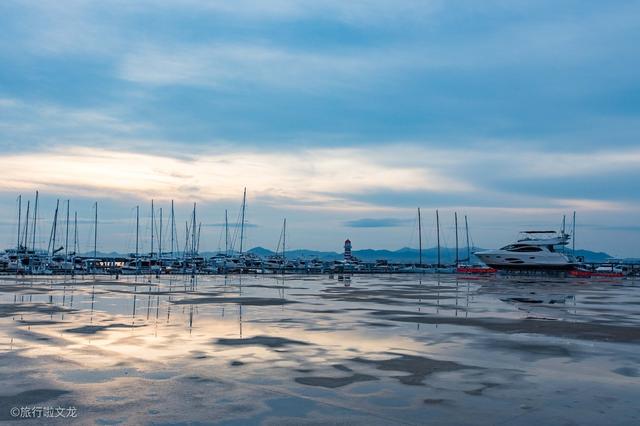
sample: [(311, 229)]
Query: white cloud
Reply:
[(305, 179), (316, 176), (32, 124), (230, 66)]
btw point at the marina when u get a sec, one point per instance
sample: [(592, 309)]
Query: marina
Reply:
[(534, 252)]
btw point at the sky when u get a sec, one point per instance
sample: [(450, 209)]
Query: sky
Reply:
[(342, 116)]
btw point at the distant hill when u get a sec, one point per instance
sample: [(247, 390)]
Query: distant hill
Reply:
[(403, 255), (407, 255), (593, 256)]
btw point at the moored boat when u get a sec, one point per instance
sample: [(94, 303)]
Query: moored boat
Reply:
[(534, 250)]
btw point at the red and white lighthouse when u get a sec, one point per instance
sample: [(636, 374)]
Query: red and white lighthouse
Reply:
[(347, 249)]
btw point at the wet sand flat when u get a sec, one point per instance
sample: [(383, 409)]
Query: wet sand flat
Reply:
[(388, 349)]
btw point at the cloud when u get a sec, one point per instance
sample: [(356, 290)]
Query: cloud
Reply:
[(376, 223), (230, 66), (314, 176), (392, 178), (29, 126)]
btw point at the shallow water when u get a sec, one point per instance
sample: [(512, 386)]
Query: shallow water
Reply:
[(404, 349)]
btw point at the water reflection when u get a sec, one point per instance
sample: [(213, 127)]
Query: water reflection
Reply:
[(378, 347)]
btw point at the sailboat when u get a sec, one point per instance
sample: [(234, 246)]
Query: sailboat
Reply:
[(278, 262)]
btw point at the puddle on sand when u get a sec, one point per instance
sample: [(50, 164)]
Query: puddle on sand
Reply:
[(266, 350)]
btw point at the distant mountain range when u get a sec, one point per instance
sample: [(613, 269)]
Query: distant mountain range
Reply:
[(403, 255), (408, 255)]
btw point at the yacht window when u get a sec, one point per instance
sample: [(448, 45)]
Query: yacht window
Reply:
[(527, 249), (521, 248)]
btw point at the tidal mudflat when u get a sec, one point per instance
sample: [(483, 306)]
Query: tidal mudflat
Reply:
[(403, 349)]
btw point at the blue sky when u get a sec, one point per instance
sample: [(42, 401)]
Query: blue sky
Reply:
[(342, 116)]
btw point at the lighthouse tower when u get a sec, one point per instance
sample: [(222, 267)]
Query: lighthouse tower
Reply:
[(347, 249)]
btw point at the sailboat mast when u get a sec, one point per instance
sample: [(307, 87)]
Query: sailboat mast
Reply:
[(26, 225), (466, 230), (35, 222), (438, 234), (19, 221), (193, 232), (244, 203), (419, 237), (152, 220), (199, 229), (226, 232), (95, 233), (55, 225), (66, 236), (455, 216), (173, 226), (284, 239), (186, 239), (137, 231), (75, 232), (564, 219), (160, 236), (573, 234), (52, 238)]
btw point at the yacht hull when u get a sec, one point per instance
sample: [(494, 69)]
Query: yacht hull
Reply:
[(505, 260), (525, 267)]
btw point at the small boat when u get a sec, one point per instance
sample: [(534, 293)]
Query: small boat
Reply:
[(475, 269), (605, 271), (581, 273)]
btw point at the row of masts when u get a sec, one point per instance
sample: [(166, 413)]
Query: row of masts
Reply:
[(26, 233), (455, 216), (192, 232), (23, 232)]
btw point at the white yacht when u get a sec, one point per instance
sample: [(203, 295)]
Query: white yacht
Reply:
[(533, 250)]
